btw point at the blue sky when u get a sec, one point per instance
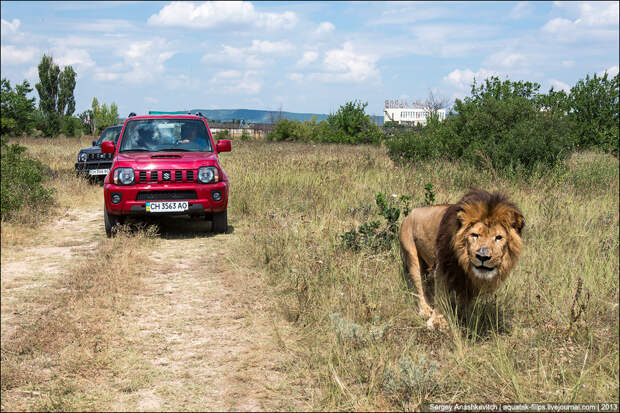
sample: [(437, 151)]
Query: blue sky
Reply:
[(303, 56)]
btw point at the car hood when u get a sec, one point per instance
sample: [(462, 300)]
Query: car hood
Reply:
[(162, 160)]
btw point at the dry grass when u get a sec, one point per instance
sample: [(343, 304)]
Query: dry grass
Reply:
[(524, 346), (62, 352), (352, 339)]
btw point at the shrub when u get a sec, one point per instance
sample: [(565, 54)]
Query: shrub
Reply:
[(594, 108), (245, 135), (221, 134), (500, 126), (375, 235), (22, 179)]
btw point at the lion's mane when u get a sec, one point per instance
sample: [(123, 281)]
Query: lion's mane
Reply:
[(452, 258)]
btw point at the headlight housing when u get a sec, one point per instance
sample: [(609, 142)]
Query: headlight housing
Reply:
[(208, 174), (82, 157), (124, 176)]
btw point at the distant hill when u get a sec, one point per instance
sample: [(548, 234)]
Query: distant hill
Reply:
[(263, 116)]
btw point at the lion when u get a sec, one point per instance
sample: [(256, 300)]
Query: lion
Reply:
[(461, 250)]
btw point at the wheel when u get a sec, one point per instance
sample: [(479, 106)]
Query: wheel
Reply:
[(110, 222), (220, 222)]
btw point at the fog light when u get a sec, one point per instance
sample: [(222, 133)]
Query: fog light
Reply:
[(216, 195), (115, 198)]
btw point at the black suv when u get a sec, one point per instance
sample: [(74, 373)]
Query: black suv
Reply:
[(91, 162)]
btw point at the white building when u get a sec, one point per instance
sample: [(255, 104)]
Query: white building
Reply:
[(410, 116)]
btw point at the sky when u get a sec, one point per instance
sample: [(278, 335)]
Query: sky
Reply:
[(303, 56)]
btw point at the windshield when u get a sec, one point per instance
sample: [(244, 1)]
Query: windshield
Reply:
[(166, 135), (110, 134)]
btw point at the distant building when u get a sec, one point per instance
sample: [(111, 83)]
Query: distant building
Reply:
[(400, 112)]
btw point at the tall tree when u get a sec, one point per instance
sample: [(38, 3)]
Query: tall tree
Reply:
[(55, 88), (66, 86)]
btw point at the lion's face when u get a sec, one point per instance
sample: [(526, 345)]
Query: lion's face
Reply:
[(488, 242), (486, 246)]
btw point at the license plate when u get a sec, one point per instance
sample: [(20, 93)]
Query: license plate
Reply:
[(98, 171), (167, 206)]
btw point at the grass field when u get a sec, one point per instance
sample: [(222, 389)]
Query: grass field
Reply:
[(550, 334)]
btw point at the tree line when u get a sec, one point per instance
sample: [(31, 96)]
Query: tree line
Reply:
[(54, 115), (504, 124)]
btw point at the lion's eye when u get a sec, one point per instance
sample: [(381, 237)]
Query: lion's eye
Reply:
[(497, 238), (474, 235)]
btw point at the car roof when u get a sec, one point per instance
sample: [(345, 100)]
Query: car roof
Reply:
[(165, 117)]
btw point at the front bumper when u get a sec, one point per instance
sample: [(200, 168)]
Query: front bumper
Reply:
[(202, 204), (83, 168)]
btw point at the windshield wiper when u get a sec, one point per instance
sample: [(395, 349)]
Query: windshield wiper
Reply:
[(135, 150), (173, 150)]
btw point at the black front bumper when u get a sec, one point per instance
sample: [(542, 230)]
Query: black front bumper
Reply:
[(83, 167)]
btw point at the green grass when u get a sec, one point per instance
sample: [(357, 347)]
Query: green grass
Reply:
[(522, 346)]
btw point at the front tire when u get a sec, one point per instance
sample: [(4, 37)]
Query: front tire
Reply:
[(110, 222), (220, 222)]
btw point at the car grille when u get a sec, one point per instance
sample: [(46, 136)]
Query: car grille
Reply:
[(165, 195), (99, 156), (178, 175)]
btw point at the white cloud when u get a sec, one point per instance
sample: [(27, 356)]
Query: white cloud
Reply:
[(506, 59), (558, 85), (611, 72), (8, 28), (297, 77), (463, 79), (235, 81), (210, 14), (598, 20), (521, 10), (79, 59), (347, 65), (265, 46), (235, 56), (142, 62), (324, 28), (308, 57), (104, 25), (12, 55)]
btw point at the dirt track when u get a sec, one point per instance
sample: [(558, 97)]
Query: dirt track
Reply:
[(201, 326)]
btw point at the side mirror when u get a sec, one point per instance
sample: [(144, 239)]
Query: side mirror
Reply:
[(107, 147), (94, 143), (223, 145)]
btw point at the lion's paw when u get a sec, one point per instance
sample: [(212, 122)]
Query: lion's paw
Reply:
[(425, 311), (437, 320)]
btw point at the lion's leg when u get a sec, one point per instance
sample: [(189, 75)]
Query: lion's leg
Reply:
[(412, 266), (441, 299)]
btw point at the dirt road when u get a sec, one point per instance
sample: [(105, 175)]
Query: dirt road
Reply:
[(201, 328)]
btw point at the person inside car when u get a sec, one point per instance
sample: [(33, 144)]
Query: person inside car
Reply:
[(191, 133)]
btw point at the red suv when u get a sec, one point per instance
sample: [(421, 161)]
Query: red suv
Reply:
[(164, 165)]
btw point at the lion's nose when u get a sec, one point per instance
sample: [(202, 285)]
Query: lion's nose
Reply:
[(483, 254)]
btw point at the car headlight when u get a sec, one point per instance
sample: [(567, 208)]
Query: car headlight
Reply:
[(82, 157), (208, 174), (123, 176)]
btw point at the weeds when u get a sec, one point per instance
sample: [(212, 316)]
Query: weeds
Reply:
[(376, 235), (411, 382)]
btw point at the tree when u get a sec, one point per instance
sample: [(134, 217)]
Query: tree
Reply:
[(434, 103), (101, 116), (350, 120), (594, 108), (55, 88), (17, 109)]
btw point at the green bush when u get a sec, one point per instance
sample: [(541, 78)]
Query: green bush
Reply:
[(500, 126), (594, 108), (72, 126), (349, 124), (221, 134), (22, 179)]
